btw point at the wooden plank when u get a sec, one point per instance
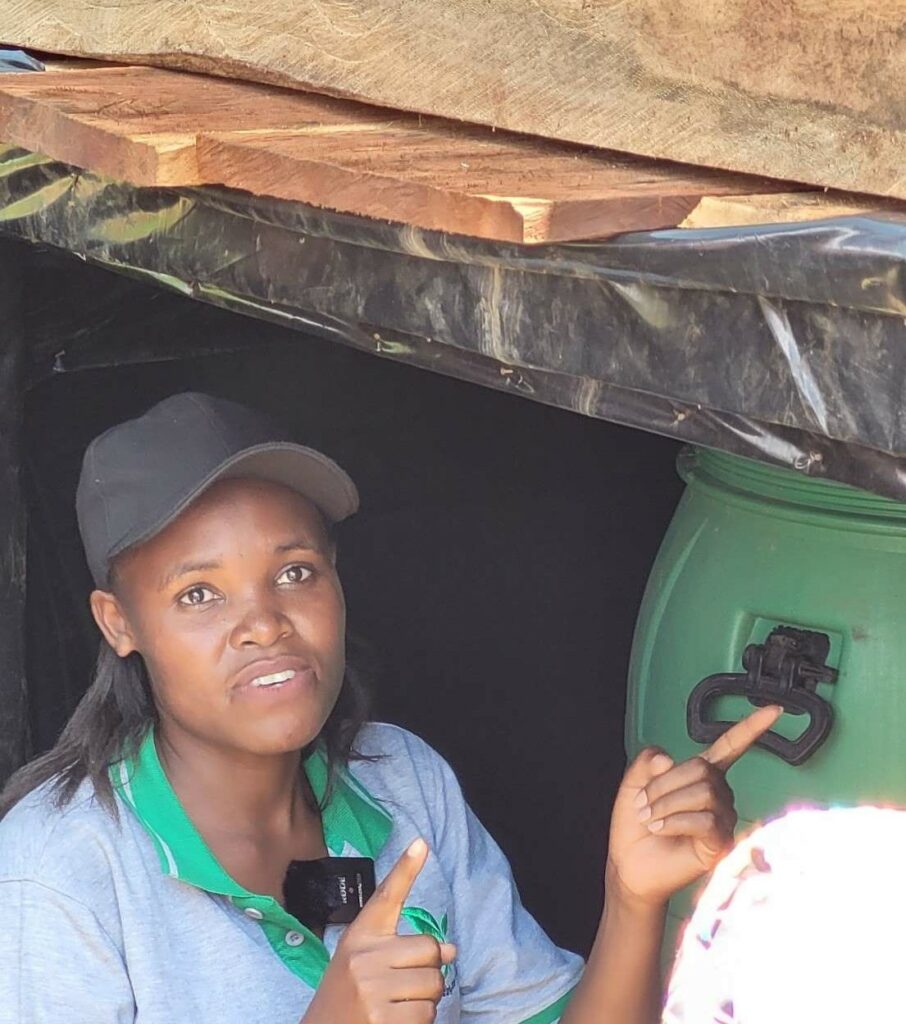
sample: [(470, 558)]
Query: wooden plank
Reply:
[(516, 190), (154, 127), (806, 91), (785, 208), (142, 124)]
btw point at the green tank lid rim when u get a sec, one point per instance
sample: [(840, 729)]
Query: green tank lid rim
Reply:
[(764, 482)]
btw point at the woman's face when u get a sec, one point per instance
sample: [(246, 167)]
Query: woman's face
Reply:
[(238, 612)]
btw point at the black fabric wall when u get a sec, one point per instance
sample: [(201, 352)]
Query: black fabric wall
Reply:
[(495, 570)]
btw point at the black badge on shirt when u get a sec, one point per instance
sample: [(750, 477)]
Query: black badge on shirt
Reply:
[(328, 891)]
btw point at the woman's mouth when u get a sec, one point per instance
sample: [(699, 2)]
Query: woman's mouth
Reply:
[(286, 674), (274, 679)]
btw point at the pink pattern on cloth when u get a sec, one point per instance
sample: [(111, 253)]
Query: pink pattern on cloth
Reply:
[(803, 923)]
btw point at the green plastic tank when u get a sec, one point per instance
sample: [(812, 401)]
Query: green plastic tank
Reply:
[(781, 588)]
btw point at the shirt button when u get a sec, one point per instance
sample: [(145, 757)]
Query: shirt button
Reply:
[(253, 913), (294, 938)]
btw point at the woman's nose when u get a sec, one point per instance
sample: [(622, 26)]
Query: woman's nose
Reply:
[(262, 625)]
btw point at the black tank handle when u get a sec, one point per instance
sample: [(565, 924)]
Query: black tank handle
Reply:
[(785, 669)]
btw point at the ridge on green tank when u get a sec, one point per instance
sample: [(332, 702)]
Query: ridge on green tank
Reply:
[(781, 486), (753, 548)]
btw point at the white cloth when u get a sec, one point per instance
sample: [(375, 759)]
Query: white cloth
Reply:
[(803, 923)]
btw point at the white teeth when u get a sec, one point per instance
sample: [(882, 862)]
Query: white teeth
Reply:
[(276, 677)]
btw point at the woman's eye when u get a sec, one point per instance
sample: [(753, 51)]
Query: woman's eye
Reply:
[(295, 574), (196, 596)]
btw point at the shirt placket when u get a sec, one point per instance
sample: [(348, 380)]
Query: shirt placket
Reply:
[(297, 946)]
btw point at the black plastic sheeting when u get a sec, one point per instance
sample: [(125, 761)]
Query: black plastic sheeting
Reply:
[(783, 343)]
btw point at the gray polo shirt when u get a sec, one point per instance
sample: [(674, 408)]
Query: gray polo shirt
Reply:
[(108, 923)]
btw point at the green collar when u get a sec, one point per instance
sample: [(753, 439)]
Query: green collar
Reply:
[(355, 824)]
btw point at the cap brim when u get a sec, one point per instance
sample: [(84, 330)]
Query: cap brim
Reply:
[(304, 470)]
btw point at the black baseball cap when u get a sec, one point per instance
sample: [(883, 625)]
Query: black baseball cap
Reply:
[(139, 475)]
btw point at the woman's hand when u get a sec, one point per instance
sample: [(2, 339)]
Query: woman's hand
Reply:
[(672, 823), (377, 976)]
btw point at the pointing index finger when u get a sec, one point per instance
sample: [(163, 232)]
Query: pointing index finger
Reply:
[(381, 914), (727, 749)]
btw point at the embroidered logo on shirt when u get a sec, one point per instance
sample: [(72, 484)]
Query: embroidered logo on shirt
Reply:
[(425, 923)]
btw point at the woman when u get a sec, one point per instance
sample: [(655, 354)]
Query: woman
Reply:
[(147, 863)]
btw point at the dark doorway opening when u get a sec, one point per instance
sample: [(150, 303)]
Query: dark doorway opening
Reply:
[(494, 572)]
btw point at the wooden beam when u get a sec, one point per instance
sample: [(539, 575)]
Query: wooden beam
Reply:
[(810, 92), (159, 128)]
